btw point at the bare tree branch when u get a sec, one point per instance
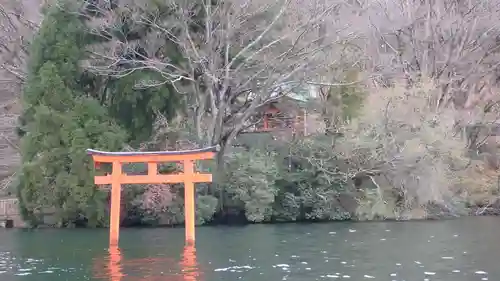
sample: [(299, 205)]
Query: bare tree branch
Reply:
[(453, 42), (249, 54)]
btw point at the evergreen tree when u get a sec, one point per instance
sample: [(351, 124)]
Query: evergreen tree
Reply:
[(59, 121), (125, 97), (140, 91)]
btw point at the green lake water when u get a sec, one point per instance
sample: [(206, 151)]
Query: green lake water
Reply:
[(456, 250)]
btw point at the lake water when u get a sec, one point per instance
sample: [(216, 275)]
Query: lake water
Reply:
[(457, 250)]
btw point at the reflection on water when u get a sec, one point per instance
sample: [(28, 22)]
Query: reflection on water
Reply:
[(147, 269), (113, 268), (114, 265), (190, 268), (455, 250)]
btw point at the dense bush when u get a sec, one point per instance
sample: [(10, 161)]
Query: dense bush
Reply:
[(409, 151), (250, 183)]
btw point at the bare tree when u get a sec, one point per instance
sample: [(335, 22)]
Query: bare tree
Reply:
[(18, 22), (453, 42), (237, 56)]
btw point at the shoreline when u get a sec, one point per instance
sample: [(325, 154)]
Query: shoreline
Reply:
[(3, 222)]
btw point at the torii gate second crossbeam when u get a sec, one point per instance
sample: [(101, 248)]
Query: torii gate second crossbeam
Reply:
[(189, 177)]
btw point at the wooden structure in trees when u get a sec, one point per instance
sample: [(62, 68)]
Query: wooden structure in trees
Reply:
[(9, 213), (282, 116), (9, 207), (189, 177)]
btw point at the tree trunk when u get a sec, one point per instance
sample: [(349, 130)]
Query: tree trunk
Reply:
[(225, 142), (219, 175), (197, 122)]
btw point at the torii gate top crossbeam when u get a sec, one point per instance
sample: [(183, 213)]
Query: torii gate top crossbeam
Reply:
[(153, 156)]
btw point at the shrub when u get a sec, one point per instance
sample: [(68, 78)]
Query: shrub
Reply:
[(312, 185), (250, 183), (409, 150)]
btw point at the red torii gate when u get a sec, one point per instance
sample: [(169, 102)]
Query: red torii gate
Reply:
[(189, 177)]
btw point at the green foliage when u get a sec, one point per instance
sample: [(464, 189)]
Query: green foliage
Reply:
[(141, 91), (126, 95), (376, 205), (250, 183), (59, 39), (59, 123), (352, 100), (312, 182), (343, 102), (57, 46), (286, 185), (206, 207)]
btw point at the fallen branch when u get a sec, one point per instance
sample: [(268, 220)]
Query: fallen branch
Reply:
[(12, 144)]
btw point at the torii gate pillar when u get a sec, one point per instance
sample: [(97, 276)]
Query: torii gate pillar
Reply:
[(189, 177)]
